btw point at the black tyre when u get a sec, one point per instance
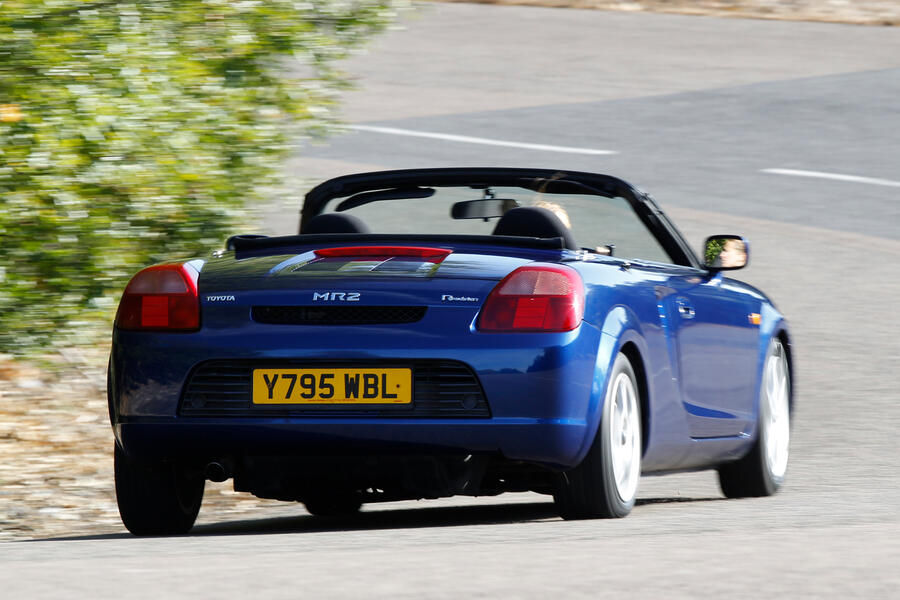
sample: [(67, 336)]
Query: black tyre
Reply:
[(336, 505), (605, 484), (762, 471), (156, 498)]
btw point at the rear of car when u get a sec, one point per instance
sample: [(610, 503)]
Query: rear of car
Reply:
[(336, 375)]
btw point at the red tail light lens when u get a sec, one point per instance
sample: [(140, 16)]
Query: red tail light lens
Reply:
[(434, 255), (163, 297), (535, 298)]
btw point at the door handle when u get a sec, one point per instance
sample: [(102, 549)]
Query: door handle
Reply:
[(684, 308)]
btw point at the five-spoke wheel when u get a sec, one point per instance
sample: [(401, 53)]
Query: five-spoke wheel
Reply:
[(605, 484), (761, 472)]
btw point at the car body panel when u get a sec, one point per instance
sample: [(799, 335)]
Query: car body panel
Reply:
[(715, 336)]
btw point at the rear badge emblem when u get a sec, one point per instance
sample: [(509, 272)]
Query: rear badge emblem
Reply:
[(220, 298), (339, 296), (452, 298)]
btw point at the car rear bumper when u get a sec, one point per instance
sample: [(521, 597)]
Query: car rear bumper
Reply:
[(551, 443), (540, 388)]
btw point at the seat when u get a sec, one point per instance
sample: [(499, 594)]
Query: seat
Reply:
[(335, 223), (534, 221)]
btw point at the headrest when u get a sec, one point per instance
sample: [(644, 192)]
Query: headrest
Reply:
[(335, 223), (534, 221)]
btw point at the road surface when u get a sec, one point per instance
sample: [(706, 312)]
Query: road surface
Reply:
[(784, 132)]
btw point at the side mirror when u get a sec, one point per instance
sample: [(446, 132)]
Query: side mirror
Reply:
[(726, 252)]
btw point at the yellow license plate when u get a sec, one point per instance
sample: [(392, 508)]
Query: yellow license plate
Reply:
[(332, 386)]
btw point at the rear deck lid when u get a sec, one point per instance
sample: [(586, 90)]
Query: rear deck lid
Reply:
[(352, 285), (337, 265)]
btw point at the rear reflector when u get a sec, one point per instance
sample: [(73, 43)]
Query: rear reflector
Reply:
[(433, 255), (162, 297), (535, 298)]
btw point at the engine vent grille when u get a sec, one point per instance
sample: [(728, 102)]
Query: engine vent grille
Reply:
[(441, 389), (337, 315)]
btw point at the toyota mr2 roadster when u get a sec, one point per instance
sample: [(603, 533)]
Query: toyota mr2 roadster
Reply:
[(436, 332)]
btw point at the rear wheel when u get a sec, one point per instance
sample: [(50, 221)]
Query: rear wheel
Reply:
[(156, 498), (605, 484), (762, 471)]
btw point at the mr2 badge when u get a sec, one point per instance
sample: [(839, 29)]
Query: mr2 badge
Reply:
[(339, 296)]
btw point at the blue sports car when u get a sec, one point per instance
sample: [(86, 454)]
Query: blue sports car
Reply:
[(436, 332)]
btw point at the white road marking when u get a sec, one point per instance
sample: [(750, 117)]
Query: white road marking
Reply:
[(835, 176), (477, 140)]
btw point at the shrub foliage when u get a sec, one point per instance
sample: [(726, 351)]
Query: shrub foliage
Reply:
[(133, 132)]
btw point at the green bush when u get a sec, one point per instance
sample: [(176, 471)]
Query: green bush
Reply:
[(133, 132)]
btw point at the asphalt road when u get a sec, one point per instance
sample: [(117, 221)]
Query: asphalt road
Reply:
[(698, 111)]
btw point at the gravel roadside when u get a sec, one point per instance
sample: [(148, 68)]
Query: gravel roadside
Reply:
[(56, 472)]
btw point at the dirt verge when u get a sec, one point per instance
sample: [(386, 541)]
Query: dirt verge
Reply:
[(56, 475)]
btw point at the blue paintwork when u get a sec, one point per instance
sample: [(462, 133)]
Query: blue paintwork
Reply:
[(545, 390)]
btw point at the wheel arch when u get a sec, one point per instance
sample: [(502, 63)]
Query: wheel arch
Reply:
[(633, 354), (785, 339), (774, 326), (621, 332)]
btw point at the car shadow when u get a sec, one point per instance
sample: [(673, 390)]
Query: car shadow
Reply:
[(675, 500), (405, 518)]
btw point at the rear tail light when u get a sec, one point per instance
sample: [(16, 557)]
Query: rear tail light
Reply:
[(535, 298), (161, 298), (433, 255)]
